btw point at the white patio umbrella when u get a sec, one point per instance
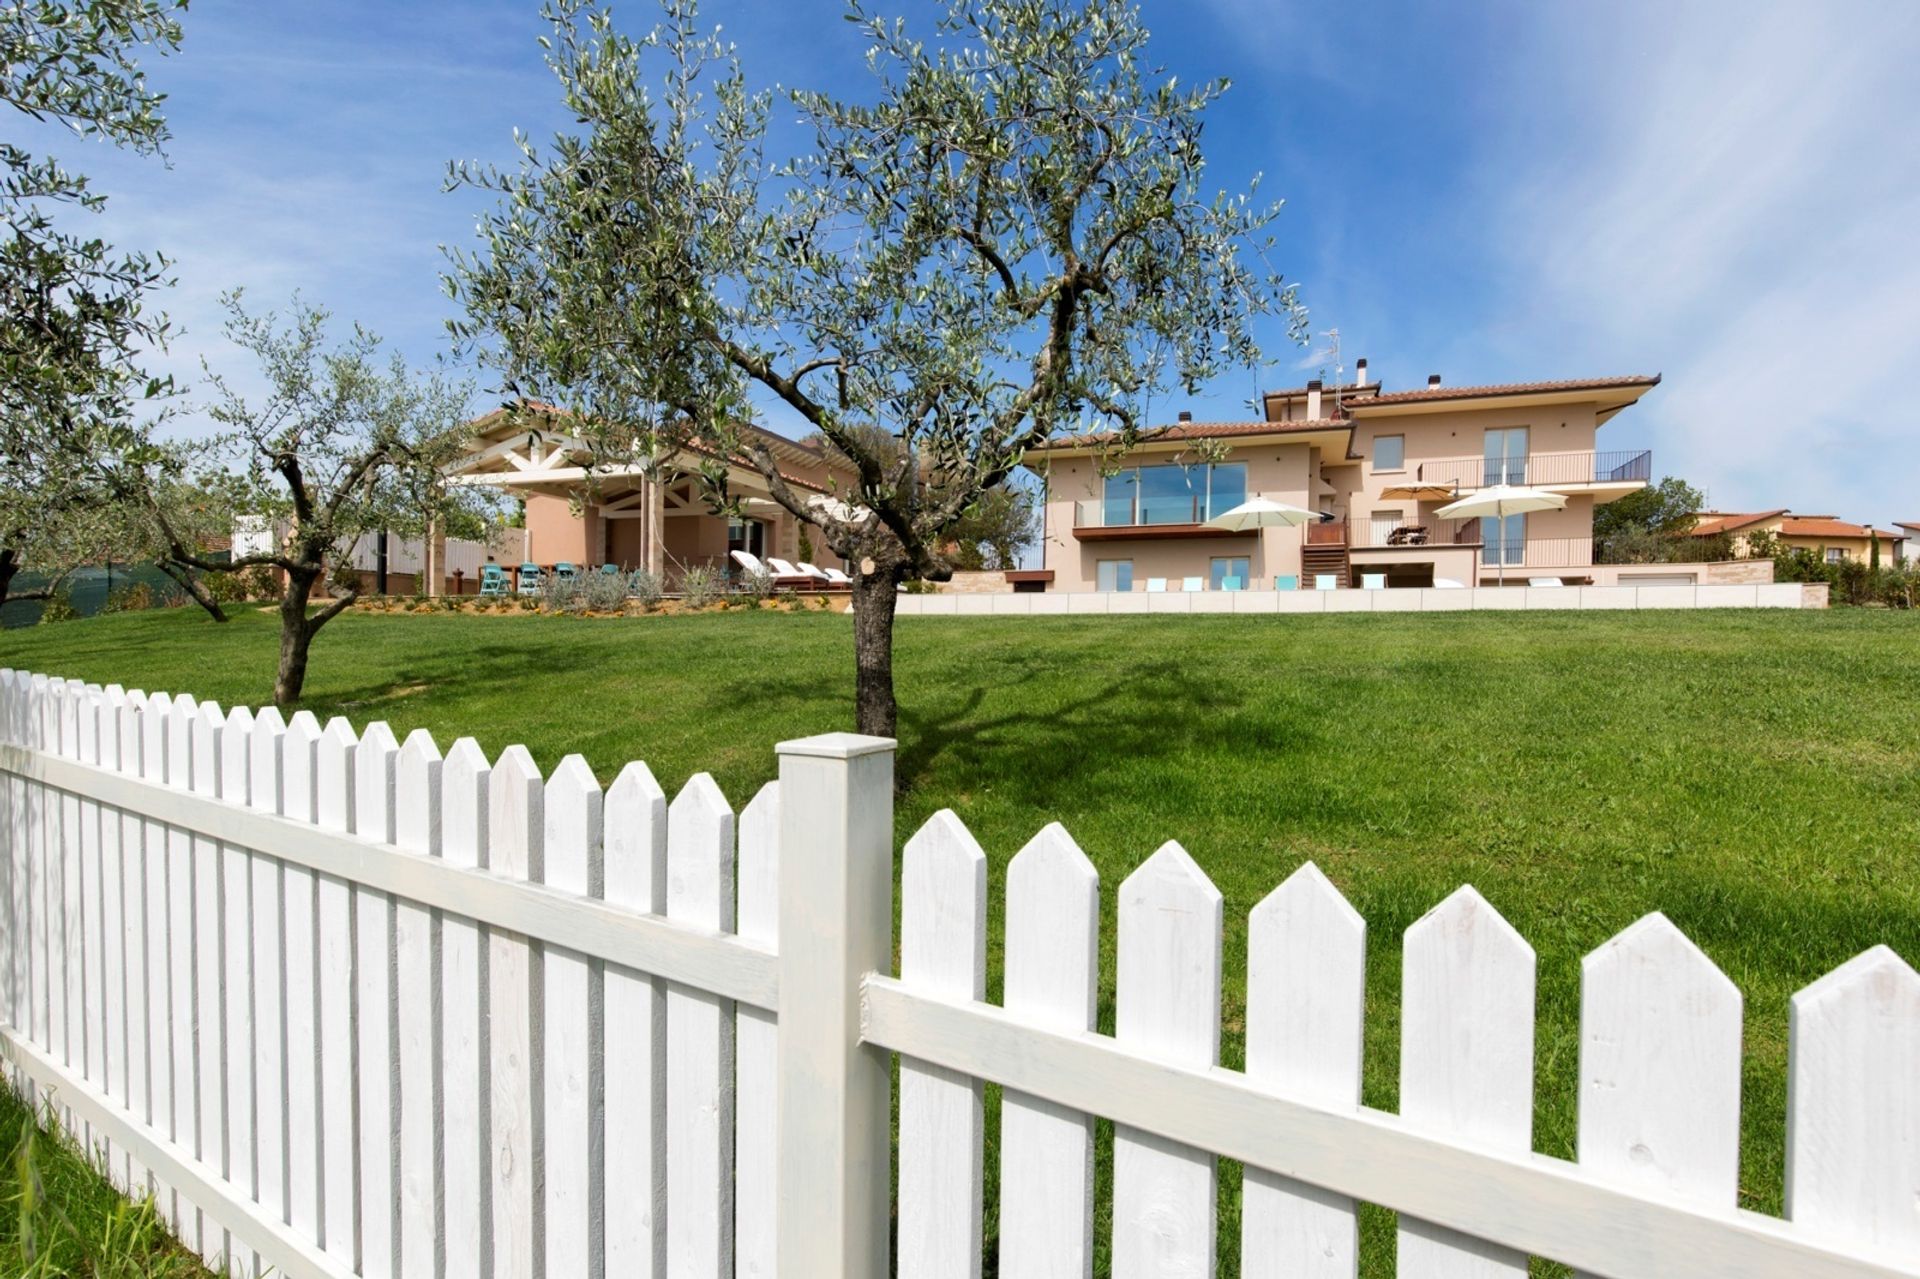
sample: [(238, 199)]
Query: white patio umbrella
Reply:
[(1500, 501), (1262, 512)]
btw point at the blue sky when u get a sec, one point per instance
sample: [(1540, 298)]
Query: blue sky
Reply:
[(1722, 192)]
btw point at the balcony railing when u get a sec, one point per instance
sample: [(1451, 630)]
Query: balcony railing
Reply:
[(1540, 470), (1410, 532), (1146, 512), (1538, 552)]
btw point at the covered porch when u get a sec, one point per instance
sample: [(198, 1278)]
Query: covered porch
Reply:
[(619, 515)]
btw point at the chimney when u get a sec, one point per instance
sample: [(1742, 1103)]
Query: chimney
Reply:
[(1433, 380), (1186, 415), (1360, 371), (1313, 399)]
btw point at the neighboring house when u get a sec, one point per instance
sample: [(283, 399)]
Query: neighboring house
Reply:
[(618, 515), (1376, 464), (1834, 540), (1909, 550)]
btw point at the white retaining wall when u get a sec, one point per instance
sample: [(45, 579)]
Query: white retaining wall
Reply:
[(1425, 600)]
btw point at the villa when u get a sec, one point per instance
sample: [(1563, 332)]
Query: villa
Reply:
[(1832, 539), (1376, 465), (618, 515)]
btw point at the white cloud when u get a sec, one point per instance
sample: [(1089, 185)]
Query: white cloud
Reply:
[(1729, 193)]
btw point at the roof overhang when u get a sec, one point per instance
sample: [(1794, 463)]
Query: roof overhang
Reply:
[(1606, 401), (1324, 437)]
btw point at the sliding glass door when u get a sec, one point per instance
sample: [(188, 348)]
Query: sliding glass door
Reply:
[(1506, 455)]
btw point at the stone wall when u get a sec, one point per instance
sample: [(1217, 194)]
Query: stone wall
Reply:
[(976, 582)]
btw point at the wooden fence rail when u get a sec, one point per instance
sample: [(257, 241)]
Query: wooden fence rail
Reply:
[(346, 1005)]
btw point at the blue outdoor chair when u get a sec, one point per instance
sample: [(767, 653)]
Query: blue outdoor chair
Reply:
[(530, 577), (565, 572), (1287, 582), (493, 580)]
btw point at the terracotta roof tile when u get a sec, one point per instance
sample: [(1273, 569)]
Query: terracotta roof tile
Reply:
[(1505, 388), (1201, 431), (1724, 522), (1827, 526)]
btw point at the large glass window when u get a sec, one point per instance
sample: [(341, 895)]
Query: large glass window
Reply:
[(1505, 541), (1506, 455), (1226, 487), (1172, 494), (1229, 573), (1389, 452), (1113, 575), (1117, 506)]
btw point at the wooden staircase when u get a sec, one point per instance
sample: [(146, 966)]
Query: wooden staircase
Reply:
[(1325, 558)]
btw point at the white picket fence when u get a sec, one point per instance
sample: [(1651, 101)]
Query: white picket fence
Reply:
[(347, 1005)]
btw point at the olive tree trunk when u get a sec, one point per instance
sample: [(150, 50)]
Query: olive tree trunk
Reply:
[(875, 713), (196, 589)]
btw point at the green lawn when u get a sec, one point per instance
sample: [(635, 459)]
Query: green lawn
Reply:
[(1755, 775), (59, 1219)]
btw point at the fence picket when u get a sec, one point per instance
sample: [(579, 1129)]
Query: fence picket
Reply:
[(416, 828), (1052, 975), (943, 949), (63, 873), (699, 1041), (266, 793), (1168, 1003), (1466, 1060), (635, 831), (209, 975), (136, 1095), (184, 1080), (333, 986), (464, 1228), (374, 1059), (571, 1016), (300, 797), (1853, 1104), (236, 963), (9, 865), (1306, 1002), (72, 960), (514, 831), (113, 980), (1660, 1066), (92, 1013), (756, 1046)]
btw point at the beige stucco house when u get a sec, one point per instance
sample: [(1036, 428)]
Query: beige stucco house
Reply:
[(1835, 540), (619, 515), (1376, 464)]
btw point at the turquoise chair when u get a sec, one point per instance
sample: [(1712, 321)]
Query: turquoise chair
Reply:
[(610, 570), (1287, 582), (1232, 584), (530, 576), (493, 580), (565, 572)]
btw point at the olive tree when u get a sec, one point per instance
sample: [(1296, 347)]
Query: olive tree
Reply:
[(74, 314), (342, 445), (1010, 231)]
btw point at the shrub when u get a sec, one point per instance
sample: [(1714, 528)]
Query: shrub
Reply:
[(919, 586), (258, 582), (606, 592), (701, 586), (58, 608), (134, 598), (225, 588), (756, 585), (646, 588), (561, 594)]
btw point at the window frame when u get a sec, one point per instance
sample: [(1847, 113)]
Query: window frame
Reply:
[(1399, 465), (1116, 589)]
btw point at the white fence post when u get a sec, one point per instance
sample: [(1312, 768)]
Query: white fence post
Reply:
[(836, 926)]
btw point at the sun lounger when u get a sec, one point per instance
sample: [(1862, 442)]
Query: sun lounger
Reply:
[(1545, 581), (791, 579)]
